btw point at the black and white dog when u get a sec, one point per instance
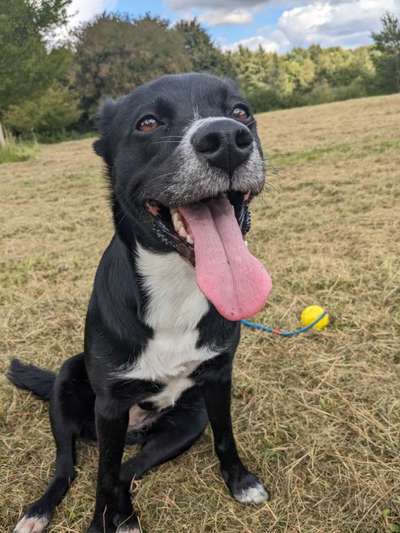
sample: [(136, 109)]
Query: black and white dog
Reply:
[(184, 161)]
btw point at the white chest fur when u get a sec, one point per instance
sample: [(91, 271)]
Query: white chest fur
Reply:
[(175, 307)]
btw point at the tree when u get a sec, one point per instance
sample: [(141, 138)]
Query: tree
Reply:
[(27, 66), (115, 54), (303, 76), (47, 115), (387, 43), (204, 55)]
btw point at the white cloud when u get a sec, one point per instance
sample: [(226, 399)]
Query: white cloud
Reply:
[(80, 11), (253, 43), (347, 23), (221, 16), (329, 23), (84, 10), (224, 4), (218, 12)]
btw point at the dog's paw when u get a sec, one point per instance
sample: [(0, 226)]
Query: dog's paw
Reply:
[(120, 529), (31, 524), (244, 486), (130, 525), (254, 493)]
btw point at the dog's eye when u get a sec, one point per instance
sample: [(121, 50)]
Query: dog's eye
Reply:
[(240, 113), (147, 124)]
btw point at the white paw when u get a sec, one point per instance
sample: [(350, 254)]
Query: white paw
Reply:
[(254, 494), (127, 530), (31, 524)]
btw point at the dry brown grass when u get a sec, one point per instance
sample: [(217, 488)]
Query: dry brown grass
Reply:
[(319, 416)]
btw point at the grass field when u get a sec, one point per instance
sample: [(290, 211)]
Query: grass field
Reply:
[(318, 417)]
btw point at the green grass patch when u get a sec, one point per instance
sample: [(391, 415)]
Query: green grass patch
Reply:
[(65, 136), (15, 151)]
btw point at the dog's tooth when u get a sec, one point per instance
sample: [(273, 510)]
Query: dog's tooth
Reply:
[(182, 232), (176, 220), (179, 225), (176, 216)]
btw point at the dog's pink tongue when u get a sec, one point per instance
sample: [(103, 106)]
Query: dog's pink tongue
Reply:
[(232, 279)]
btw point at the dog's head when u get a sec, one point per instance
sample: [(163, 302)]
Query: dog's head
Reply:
[(184, 159)]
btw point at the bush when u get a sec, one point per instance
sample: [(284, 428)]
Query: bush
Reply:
[(46, 116), (14, 151), (263, 99), (324, 94)]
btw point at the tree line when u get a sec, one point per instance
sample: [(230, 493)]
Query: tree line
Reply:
[(52, 82)]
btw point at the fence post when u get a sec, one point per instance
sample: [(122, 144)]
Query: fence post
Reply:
[(2, 137)]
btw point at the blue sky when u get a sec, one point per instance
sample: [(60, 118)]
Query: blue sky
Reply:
[(223, 33), (277, 25)]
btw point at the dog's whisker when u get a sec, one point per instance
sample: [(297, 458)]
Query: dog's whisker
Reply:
[(165, 142), (172, 137), (166, 175), (271, 186)]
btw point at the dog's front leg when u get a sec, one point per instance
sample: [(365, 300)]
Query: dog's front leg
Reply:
[(244, 486), (114, 511)]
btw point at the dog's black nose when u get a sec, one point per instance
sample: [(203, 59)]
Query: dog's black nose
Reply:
[(225, 144)]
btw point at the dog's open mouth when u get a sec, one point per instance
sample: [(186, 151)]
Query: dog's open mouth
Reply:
[(210, 234), (172, 228)]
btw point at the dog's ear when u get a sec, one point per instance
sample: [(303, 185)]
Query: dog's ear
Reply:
[(232, 83), (104, 121)]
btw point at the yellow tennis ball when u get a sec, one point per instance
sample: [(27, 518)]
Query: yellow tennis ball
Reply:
[(311, 313)]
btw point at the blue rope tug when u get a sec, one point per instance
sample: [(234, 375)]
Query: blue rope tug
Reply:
[(280, 332)]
